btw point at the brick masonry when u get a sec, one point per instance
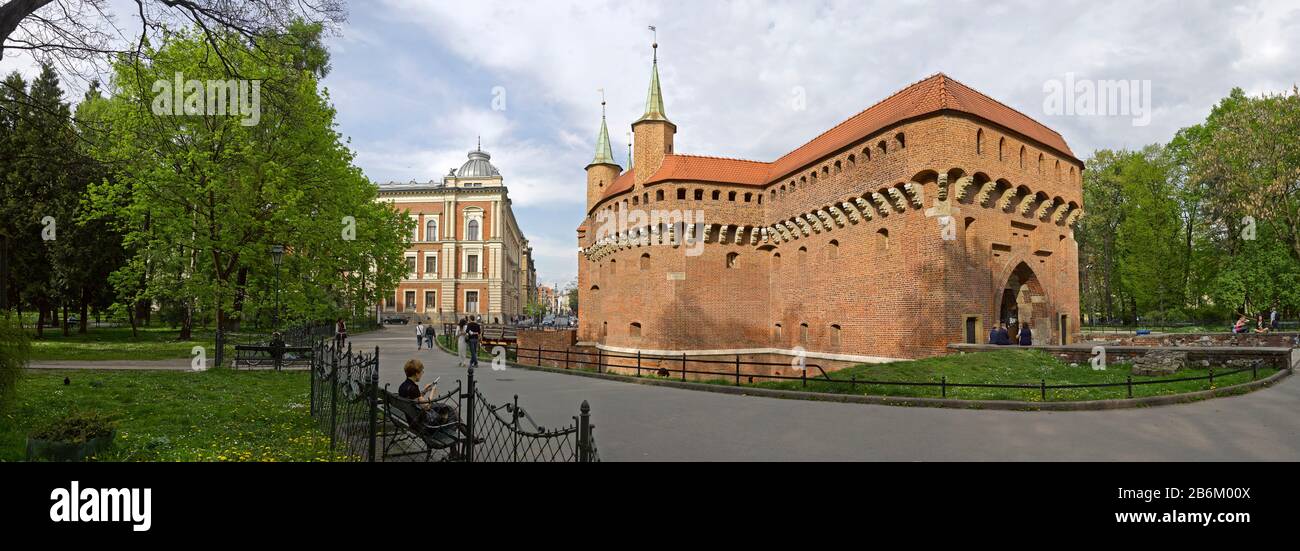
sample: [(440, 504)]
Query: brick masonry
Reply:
[(890, 286)]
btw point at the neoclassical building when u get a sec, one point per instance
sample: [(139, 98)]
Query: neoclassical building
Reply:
[(467, 255), (917, 222)]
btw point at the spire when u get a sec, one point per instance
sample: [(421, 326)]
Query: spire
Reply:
[(604, 155), (654, 103)]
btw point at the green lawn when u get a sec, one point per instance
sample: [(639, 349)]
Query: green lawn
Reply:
[(216, 415), (1005, 367), (116, 343)]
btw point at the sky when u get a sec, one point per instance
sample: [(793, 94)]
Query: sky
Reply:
[(416, 82)]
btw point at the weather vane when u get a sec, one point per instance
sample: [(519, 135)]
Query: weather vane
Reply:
[(655, 45)]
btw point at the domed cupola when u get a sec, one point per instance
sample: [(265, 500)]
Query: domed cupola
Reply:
[(478, 166)]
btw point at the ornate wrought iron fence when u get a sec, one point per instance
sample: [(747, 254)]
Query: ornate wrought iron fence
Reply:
[(346, 404)]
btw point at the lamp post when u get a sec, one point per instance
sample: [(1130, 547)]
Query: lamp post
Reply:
[(277, 257)]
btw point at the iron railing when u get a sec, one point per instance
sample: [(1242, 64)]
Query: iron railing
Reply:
[(676, 367), (346, 404)]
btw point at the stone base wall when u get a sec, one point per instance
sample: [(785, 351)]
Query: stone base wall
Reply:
[(1285, 340)]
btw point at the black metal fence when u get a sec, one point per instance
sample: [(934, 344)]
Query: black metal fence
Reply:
[(348, 405), (676, 367)]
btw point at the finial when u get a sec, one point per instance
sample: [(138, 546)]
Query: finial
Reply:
[(602, 102), (480, 143), (654, 46)]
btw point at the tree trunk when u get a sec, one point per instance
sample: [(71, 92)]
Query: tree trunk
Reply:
[(40, 321), (64, 323), (85, 309), (187, 324)]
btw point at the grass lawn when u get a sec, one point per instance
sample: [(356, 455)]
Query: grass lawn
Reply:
[(1006, 367), (216, 415), (116, 343)]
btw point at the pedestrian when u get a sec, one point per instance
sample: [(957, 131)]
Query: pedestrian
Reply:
[(1003, 337), (460, 327), (1240, 326), (472, 332), (1026, 337), (340, 333), (429, 334), (1273, 320), (993, 334), (419, 334)]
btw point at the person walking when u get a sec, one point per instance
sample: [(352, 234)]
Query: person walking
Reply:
[(429, 334), (472, 332), (340, 333), (1273, 320), (419, 335), (1026, 337)]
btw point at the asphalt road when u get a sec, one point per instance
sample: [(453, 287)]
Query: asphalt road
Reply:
[(649, 423)]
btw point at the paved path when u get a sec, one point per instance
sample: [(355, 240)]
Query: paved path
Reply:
[(644, 422)]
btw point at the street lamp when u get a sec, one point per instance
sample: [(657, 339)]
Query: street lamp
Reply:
[(277, 257)]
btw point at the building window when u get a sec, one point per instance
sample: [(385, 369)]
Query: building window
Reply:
[(776, 261), (803, 255), (776, 332), (390, 302), (1001, 145), (979, 141), (731, 259), (731, 196), (681, 194), (803, 333), (634, 330), (471, 264), (472, 231), (410, 267), (471, 302), (431, 265), (645, 261), (748, 197), (716, 195), (882, 240), (1022, 157), (835, 335), (833, 250), (902, 140), (882, 147), (699, 195), (430, 300), (431, 231), (409, 303), (659, 195)]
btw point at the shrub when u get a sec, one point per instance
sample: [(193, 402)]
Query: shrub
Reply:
[(76, 427)]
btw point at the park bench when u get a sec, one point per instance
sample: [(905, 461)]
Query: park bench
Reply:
[(405, 416), (498, 335), (253, 356)]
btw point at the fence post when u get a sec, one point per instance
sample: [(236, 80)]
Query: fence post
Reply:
[(943, 385), (1254, 370), (683, 367), (469, 418), (600, 359), (1130, 386), (374, 405), (584, 433), (638, 363), (514, 421), (334, 396), (803, 376), (311, 378), (1211, 376), (1042, 386), (737, 369), (853, 382), (566, 357)]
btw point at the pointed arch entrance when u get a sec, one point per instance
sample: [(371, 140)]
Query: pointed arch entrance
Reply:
[(1020, 296)]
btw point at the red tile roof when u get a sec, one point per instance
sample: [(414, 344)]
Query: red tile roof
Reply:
[(933, 94), (936, 93), (711, 169)]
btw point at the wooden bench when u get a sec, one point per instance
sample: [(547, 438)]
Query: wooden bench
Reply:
[(264, 356), (406, 415)]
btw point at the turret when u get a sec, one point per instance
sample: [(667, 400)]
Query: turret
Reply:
[(653, 131), (602, 170)]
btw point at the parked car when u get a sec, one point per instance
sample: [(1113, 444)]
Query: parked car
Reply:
[(394, 320)]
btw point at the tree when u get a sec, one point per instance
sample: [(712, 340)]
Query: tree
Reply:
[(201, 196)]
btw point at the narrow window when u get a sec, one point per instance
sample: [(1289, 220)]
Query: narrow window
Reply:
[(835, 335), (659, 195), (979, 141), (681, 194), (731, 259), (748, 197), (716, 194), (634, 330), (833, 250), (882, 239), (645, 261), (902, 140), (699, 195), (803, 333)]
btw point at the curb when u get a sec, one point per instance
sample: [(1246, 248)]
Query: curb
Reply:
[(952, 403)]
